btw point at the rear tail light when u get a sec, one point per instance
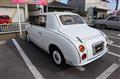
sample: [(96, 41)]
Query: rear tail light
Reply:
[(81, 48), (84, 56)]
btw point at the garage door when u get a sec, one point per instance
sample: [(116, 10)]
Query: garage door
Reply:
[(12, 12)]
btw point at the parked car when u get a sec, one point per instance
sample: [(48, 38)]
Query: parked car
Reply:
[(5, 19), (112, 22), (67, 38)]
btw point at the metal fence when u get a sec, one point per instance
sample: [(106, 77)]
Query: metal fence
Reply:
[(10, 28)]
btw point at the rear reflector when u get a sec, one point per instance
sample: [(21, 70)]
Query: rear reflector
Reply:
[(84, 56)]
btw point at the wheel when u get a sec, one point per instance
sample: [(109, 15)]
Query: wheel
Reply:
[(103, 26), (27, 37), (58, 57)]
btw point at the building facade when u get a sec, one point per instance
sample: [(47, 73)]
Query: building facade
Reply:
[(83, 5)]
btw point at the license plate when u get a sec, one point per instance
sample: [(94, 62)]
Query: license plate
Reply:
[(98, 47)]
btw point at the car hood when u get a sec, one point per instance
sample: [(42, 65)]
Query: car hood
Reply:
[(82, 31)]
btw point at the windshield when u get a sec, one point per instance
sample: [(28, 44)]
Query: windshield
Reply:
[(71, 19)]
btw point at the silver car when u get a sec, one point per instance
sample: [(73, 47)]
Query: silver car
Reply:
[(112, 22)]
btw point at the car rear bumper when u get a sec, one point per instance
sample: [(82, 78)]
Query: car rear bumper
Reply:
[(92, 59)]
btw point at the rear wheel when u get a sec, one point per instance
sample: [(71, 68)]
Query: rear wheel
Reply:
[(27, 37), (57, 57), (103, 26)]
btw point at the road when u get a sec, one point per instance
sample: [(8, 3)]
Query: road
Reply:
[(107, 67)]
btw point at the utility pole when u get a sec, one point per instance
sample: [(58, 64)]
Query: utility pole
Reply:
[(117, 2)]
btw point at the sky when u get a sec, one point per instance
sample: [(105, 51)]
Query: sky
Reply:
[(111, 4)]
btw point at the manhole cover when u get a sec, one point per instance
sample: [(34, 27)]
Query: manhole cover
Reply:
[(3, 42)]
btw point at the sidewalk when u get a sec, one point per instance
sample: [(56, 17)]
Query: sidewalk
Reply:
[(11, 64)]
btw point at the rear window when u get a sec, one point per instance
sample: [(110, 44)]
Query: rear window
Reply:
[(71, 19)]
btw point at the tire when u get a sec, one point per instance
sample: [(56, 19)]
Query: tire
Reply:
[(103, 26), (57, 57), (27, 38)]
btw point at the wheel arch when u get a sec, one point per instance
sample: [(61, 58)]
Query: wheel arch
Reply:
[(52, 47)]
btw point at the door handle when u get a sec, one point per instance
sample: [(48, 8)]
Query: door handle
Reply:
[(39, 32)]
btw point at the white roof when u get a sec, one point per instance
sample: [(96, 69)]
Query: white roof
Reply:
[(60, 13)]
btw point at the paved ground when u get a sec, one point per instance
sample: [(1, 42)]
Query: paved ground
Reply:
[(12, 65), (107, 65)]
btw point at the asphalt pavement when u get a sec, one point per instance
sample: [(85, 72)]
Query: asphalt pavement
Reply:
[(13, 65)]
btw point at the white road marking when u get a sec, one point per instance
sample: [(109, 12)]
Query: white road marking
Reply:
[(118, 34), (110, 41), (114, 54), (108, 71), (31, 67), (114, 45), (114, 37), (81, 68)]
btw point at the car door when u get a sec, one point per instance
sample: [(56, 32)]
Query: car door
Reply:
[(110, 22), (40, 30), (117, 23), (35, 31), (33, 34)]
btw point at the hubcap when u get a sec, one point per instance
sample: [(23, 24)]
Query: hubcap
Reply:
[(56, 57)]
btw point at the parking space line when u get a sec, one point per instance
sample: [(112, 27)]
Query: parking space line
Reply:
[(113, 37), (81, 68), (114, 54), (114, 45), (110, 41), (108, 71), (118, 34), (31, 67)]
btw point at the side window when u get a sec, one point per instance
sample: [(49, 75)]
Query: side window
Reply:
[(116, 19), (40, 21), (111, 18)]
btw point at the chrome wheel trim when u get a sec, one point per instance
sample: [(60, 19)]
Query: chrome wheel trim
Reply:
[(57, 57)]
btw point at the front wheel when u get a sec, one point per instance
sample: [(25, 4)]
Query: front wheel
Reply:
[(58, 57), (27, 37), (103, 26)]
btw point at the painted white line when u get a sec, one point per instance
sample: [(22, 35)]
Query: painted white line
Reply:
[(114, 54), (108, 71), (114, 37), (31, 67), (118, 35), (110, 41), (114, 45), (81, 68)]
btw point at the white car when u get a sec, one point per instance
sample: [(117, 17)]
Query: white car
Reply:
[(67, 38), (112, 22)]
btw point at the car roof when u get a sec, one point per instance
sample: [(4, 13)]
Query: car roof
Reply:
[(59, 13)]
